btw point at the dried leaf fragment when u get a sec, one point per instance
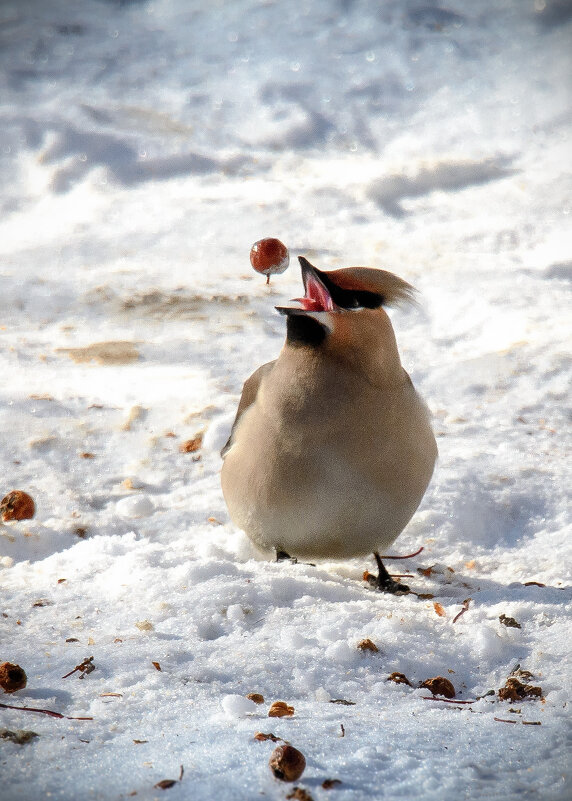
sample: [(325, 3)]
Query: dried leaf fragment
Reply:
[(156, 665), (12, 677), (342, 701), (399, 678), (368, 645), (520, 673), (165, 784), (191, 445), (280, 709), (261, 737), (329, 784), (514, 690), (439, 609), (17, 505), (510, 622), (257, 698), (144, 625), (439, 685), (20, 736), (300, 794)]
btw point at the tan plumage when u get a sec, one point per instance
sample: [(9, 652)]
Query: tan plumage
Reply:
[(332, 449)]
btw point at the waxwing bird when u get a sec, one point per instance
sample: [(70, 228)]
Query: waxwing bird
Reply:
[(331, 450)]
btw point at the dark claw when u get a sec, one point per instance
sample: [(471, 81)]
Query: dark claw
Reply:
[(282, 556), (383, 581)]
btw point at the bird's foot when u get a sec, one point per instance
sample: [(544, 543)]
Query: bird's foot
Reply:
[(383, 581), (392, 586), (282, 556)]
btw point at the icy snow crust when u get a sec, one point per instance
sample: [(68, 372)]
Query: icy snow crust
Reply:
[(144, 147)]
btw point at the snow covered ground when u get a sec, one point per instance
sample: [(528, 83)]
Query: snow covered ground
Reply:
[(144, 147)]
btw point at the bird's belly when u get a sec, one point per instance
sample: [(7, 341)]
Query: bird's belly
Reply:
[(312, 505)]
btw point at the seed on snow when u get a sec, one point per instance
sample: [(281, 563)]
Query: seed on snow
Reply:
[(17, 505), (12, 677), (287, 763)]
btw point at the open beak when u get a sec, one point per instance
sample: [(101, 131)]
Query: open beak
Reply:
[(316, 295)]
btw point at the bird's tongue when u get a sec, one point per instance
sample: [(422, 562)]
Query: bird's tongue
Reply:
[(317, 297)]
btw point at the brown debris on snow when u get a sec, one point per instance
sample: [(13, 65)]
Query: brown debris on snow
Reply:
[(280, 709), (515, 690), (17, 505), (439, 686), (399, 678), (12, 677)]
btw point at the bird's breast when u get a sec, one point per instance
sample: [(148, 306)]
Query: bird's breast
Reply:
[(329, 473)]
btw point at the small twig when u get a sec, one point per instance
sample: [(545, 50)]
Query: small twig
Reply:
[(181, 773), (445, 700), (466, 603), (84, 667), (503, 720), (343, 734), (407, 556), (41, 711)]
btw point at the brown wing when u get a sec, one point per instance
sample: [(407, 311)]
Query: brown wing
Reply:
[(249, 393)]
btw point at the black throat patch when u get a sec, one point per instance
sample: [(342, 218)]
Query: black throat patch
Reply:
[(304, 330)]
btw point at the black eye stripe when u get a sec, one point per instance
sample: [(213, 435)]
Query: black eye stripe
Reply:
[(351, 298)]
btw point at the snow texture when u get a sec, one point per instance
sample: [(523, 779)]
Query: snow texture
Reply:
[(144, 147)]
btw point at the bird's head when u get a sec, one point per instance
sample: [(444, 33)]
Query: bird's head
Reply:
[(342, 314)]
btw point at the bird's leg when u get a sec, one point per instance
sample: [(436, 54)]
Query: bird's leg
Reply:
[(383, 581), (282, 556)]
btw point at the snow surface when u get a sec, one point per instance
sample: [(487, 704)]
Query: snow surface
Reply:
[(144, 147)]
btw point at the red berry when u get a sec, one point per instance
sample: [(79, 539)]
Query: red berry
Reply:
[(269, 257)]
